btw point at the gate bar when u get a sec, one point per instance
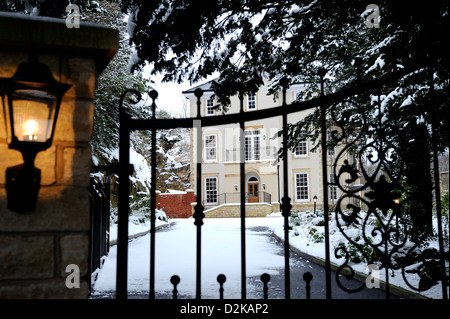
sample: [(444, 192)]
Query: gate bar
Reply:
[(323, 132), (153, 95), (242, 182), (127, 125), (295, 107), (123, 199), (286, 206), (437, 192), (198, 214)]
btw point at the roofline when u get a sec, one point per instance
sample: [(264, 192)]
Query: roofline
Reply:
[(200, 86), (192, 90)]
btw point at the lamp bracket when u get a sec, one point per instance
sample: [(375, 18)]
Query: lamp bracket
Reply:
[(22, 187)]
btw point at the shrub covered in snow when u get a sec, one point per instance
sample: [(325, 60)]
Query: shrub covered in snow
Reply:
[(140, 216)]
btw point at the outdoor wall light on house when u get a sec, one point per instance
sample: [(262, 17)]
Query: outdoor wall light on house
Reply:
[(315, 202), (31, 99)]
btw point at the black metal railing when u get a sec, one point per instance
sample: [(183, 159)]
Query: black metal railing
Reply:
[(234, 198), (263, 153), (374, 185), (99, 193)]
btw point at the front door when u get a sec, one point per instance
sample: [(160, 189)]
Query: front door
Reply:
[(253, 192)]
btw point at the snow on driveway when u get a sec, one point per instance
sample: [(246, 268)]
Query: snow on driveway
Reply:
[(176, 255)]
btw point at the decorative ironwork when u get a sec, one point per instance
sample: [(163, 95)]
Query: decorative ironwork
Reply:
[(371, 197), (198, 214), (153, 95), (227, 198), (265, 278), (307, 277), (175, 280), (369, 181), (99, 194), (123, 198), (221, 280)]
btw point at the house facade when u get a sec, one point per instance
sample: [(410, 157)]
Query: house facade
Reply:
[(263, 170)]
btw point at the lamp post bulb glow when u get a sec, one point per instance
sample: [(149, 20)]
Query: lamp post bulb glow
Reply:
[(30, 129)]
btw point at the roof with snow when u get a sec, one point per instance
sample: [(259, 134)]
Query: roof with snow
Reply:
[(206, 87), (173, 192)]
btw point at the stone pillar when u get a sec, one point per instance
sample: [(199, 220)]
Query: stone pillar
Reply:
[(36, 247)]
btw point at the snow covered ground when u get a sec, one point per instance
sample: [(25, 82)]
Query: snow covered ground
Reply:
[(176, 255), (220, 254), (301, 239)]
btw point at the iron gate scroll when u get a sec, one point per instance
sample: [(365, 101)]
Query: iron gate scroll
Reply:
[(373, 199)]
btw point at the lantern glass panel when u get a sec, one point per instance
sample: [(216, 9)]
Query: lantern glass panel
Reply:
[(34, 113)]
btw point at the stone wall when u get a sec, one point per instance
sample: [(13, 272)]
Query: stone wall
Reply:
[(234, 210), (36, 247)]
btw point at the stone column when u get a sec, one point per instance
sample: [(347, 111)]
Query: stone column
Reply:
[(37, 247)]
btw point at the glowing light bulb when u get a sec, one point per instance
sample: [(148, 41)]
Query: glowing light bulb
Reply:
[(30, 129)]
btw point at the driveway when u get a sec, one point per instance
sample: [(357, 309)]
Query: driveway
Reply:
[(221, 253)]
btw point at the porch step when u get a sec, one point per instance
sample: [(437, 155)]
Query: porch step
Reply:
[(233, 210)]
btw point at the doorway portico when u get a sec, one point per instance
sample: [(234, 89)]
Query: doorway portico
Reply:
[(253, 187)]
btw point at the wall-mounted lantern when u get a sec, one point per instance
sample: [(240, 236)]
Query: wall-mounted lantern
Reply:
[(31, 99), (235, 187), (315, 202), (264, 186)]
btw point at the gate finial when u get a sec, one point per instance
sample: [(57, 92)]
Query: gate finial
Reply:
[(265, 278), (221, 280), (175, 280), (307, 277)]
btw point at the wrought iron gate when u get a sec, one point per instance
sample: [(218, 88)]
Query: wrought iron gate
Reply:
[(381, 203), (99, 193)]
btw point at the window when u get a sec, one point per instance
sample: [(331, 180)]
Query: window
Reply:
[(210, 148), (301, 150), (301, 187), (333, 188), (251, 101), (299, 96), (330, 139), (211, 190), (252, 145), (210, 106)]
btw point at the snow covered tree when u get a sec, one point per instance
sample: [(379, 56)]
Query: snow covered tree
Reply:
[(113, 81), (246, 40), (172, 160), (172, 166)]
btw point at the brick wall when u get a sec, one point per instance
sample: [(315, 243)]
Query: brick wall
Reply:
[(176, 204)]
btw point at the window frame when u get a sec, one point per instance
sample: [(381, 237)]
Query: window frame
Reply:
[(209, 107), (306, 146), (297, 187), (251, 100), (333, 188), (212, 190), (255, 140), (206, 148), (331, 151)]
